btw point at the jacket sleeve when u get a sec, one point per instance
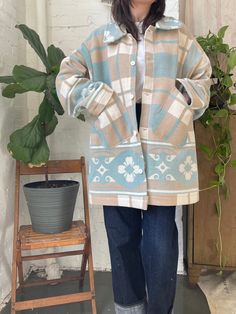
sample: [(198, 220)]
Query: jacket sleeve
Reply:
[(76, 92), (195, 73), (95, 99)]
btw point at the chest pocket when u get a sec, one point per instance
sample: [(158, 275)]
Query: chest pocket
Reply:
[(174, 120)]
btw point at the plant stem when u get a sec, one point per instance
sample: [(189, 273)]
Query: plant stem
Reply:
[(210, 187)]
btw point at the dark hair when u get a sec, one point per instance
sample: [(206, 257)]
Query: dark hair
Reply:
[(121, 13)]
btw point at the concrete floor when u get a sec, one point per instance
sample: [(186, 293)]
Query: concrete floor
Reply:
[(189, 300)]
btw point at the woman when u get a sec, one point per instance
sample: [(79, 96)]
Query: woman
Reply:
[(140, 80)]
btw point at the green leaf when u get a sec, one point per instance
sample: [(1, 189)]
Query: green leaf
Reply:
[(19, 152), (11, 90), (222, 113), (232, 60), (219, 169), (55, 56), (46, 111), (227, 81), (233, 99), (207, 150), (54, 101), (41, 154), (29, 78), (51, 125), (32, 133), (222, 30), (51, 81), (24, 141), (224, 150), (7, 79), (33, 39), (217, 126)]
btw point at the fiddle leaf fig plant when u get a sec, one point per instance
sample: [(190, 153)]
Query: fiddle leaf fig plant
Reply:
[(29, 143), (217, 118)]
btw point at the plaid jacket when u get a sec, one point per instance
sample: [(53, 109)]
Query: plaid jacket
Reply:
[(158, 164)]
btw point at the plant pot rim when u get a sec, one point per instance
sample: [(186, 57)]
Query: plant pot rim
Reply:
[(35, 184)]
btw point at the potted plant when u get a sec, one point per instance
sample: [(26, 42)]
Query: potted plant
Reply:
[(217, 123), (51, 203)]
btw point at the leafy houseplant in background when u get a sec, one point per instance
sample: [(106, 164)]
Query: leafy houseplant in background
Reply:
[(217, 119), (29, 143)]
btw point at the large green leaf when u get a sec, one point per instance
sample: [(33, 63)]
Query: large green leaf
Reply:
[(7, 79), (50, 126), (40, 154), (54, 101), (51, 81), (19, 152), (30, 135), (29, 78), (11, 90), (24, 141), (46, 111), (33, 38), (55, 56)]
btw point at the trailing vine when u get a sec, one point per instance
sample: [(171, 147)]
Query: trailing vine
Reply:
[(217, 120)]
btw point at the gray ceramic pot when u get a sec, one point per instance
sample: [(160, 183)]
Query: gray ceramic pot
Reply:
[(51, 207)]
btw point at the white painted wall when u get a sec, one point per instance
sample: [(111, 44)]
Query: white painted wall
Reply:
[(13, 113)]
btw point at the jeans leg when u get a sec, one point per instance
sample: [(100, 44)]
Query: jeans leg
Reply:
[(160, 257), (124, 231)]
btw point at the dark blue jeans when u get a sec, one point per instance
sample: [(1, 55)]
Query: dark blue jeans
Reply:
[(143, 249)]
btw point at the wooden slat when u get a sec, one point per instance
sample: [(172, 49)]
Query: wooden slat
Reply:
[(58, 300), (42, 282), (52, 167), (51, 255), (33, 240)]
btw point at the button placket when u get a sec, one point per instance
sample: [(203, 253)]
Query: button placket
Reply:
[(133, 73)]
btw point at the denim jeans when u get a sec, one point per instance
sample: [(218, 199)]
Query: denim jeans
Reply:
[(143, 248)]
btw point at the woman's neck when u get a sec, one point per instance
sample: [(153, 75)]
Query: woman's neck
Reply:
[(139, 11)]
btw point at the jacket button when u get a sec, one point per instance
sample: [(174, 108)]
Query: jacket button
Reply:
[(132, 62)]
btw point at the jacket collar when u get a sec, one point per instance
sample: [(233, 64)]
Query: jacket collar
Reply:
[(113, 32)]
